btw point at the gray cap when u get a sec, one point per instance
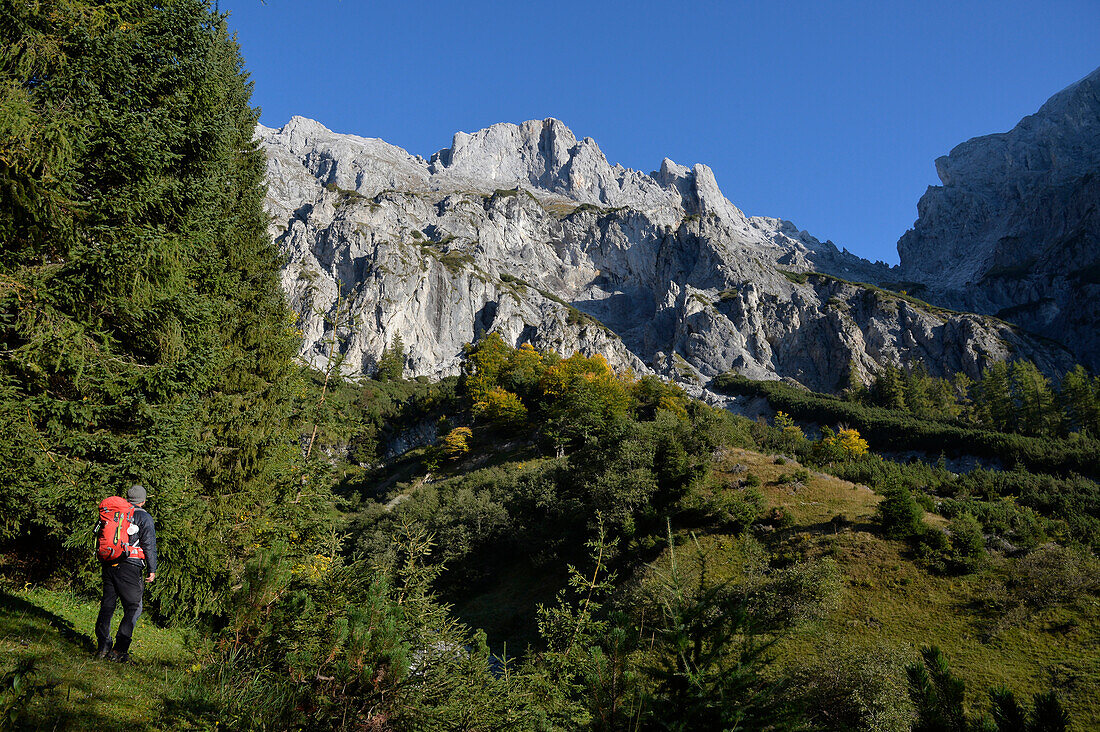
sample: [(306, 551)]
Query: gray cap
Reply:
[(136, 494)]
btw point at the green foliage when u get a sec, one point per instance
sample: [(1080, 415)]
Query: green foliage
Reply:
[(790, 436), (1080, 401), (17, 688), (1045, 715), (455, 261), (933, 547), (967, 543), (708, 672), (854, 686), (889, 389), (354, 647), (1043, 505), (145, 334), (899, 514), (798, 278), (391, 364), (345, 196), (1015, 398), (938, 695), (628, 450), (584, 670), (896, 429), (728, 295), (800, 475), (734, 509), (1004, 518), (651, 394), (939, 698), (145, 338), (1049, 576), (803, 592)]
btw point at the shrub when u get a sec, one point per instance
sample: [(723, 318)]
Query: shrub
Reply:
[(352, 649), (896, 429), (1050, 575), (18, 688), (790, 435), (899, 514), (780, 518), (933, 547), (1002, 518), (502, 408), (803, 592), (457, 442), (735, 508), (940, 700), (967, 543), (925, 501), (847, 443), (854, 688)]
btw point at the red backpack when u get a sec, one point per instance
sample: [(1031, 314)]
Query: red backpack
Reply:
[(113, 535)]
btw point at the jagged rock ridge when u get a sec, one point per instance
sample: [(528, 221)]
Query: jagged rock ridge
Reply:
[(1014, 230), (528, 231)]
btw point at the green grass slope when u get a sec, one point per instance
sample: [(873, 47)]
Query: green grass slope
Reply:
[(891, 604), (56, 630)]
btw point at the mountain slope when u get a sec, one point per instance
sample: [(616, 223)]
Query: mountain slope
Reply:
[(526, 230), (1014, 230)]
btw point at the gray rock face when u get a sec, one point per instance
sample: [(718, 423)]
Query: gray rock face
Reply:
[(1014, 230), (526, 231)]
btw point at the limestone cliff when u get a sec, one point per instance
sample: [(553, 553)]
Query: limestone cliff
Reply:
[(528, 231), (1014, 230)]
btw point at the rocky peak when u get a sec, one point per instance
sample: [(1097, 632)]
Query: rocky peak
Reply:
[(547, 156), (535, 150), (364, 164), (1060, 141), (1014, 230), (528, 231), (698, 190)]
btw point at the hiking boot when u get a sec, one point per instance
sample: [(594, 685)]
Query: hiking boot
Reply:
[(104, 649), (118, 656)]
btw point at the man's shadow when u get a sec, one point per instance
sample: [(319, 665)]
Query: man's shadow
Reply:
[(21, 611)]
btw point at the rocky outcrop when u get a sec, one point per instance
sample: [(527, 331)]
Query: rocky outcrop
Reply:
[(527, 231), (1014, 230)]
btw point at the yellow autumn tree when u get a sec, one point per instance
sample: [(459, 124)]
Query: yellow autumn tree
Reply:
[(522, 372), (583, 397), (847, 442), (790, 434), (501, 407), (456, 443), (482, 365), (852, 443)]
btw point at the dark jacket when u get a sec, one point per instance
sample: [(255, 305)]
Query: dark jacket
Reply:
[(146, 538)]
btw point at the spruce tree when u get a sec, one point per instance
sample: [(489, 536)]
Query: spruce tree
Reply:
[(391, 365), (143, 330)]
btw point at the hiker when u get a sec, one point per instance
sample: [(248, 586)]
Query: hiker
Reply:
[(124, 579)]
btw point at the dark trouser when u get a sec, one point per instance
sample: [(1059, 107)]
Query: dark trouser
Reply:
[(122, 582)]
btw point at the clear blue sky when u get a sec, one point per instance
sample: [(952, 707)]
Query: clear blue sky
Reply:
[(829, 114)]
